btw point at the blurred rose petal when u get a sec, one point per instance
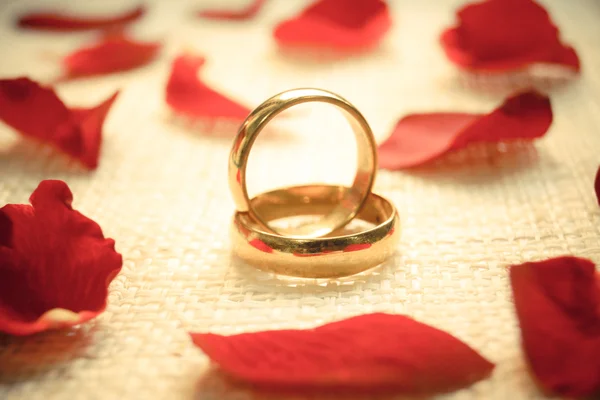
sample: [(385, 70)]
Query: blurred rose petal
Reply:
[(505, 35), (55, 264), (237, 15), (187, 95), (370, 352), (419, 138), (56, 21), (335, 25), (36, 112), (558, 306), (113, 53)]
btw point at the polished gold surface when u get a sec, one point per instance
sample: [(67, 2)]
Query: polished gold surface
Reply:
[(348, 202), (338, 254)]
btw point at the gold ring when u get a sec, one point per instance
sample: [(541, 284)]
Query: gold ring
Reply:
[(351, 200), (333, 256)]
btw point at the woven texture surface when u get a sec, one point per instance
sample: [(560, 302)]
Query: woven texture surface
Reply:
[(161, 192)]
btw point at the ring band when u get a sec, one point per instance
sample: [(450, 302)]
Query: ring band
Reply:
[(324, 257), (351, 200)]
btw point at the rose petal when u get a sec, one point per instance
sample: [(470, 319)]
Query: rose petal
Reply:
[(373, 352), (37, 112), (82, 136), (62, 22), (597, 185), (558, 305), (189, 96), (420, 138), (112, 53), (246, 13), (501, 35), (55, 264), (333, 24)]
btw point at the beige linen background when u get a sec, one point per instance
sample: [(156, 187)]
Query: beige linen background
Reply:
[(161, 192)]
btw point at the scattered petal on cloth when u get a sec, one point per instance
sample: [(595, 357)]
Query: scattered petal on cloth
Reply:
[(37, 112), (558, 307), (503, 35), (187, 95), (372, 352), (62, 22), (332, 24), (597, 185), (237, 15), (112, 53), (419, 138), (55, 264)]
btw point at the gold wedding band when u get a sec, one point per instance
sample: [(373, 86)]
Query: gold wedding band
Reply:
[(333, 256), (326, 248), (349, 202)]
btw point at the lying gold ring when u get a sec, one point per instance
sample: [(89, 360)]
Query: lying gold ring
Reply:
[(351, 200), (326, 257)]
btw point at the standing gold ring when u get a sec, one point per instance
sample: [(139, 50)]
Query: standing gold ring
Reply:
[(349, 202), (336, 255)]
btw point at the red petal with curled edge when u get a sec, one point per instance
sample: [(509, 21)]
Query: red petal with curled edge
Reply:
[(558, 305), (334, 25), (113, 53), (420, 138), (62, 22), (187, 95), (369, 352), (37, 112), (55, 264), (81, 137), (503, 35), (246, 13), (597, 185)]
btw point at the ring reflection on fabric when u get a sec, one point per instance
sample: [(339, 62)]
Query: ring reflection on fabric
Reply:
[(350, 201), (336, 255)]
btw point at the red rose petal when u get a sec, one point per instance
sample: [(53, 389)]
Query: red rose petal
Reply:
[(558, 305), (333, 24), (189, 96), (37, 112), (501, 35), (373, 352), (113, 53), (55, 264), (597, 185), (62, 22), (246, 13), (83, 137), (419, 138)]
